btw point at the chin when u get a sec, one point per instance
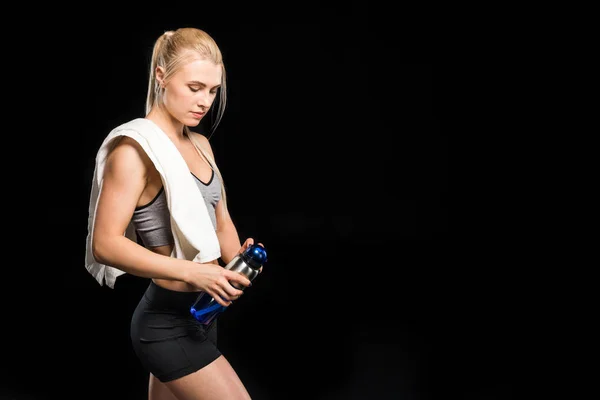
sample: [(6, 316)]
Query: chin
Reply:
[(192, 122)]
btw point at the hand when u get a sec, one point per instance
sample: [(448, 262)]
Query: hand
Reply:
[(247, 244), (214, 280)]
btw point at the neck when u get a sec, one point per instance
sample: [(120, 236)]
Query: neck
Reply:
[(169, 125)]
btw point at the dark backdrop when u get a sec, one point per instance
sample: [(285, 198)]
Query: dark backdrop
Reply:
[(334, 159)]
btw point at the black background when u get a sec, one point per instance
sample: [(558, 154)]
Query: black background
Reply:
[(333, 157)]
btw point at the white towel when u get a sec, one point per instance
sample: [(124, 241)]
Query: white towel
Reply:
[(194, 234)]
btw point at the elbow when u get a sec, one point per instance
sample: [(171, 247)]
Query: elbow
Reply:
[(98, 251)]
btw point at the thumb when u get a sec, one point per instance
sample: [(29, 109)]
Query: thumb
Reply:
[(246, 244)]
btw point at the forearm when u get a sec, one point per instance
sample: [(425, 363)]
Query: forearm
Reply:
[(122, 253), (229, 242)]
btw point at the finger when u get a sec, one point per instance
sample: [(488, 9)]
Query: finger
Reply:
[(247, 243), (235, 277), (223, 294), (221, 298), (233, 293), (240, 279), (221, 288)]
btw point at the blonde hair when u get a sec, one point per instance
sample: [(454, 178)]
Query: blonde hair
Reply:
[(171, 51)]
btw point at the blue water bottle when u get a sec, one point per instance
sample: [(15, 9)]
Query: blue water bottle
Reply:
[(206, 308)]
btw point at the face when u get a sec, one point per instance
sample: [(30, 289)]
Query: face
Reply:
[(192, 90)]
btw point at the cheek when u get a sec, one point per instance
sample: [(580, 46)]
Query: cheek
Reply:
[(180, 98)]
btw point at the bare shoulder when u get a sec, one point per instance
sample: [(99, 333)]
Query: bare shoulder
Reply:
[(127, 156), (203, 141)]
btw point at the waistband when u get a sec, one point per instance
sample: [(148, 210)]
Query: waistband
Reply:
[(161, 298)]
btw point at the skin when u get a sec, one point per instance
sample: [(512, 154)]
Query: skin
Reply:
[(131, 180)]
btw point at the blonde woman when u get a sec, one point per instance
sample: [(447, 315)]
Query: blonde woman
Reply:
[(187, 74)]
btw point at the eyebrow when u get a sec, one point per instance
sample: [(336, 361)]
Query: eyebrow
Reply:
[(204, 84)]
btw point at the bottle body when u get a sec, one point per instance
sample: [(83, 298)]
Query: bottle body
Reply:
[(205, 309)]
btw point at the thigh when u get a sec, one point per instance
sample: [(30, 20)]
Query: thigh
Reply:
[(216, 381), (158, 390)]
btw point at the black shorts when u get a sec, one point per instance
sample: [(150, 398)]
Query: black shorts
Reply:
[(167, 339)]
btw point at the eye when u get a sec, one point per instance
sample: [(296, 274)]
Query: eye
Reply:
[(193, 89)]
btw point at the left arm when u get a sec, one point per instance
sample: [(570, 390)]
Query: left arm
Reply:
[(227, 234), (229, 238)]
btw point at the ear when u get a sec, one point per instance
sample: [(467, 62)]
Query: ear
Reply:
[(160, 74)]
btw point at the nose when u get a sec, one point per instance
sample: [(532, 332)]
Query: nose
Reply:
[(203, 100)]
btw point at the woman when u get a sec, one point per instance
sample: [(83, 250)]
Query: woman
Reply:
[(186, 75)]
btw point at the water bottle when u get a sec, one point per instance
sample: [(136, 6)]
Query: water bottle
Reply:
[(206, 308)]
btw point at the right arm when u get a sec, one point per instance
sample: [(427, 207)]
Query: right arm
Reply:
[(125, 177)]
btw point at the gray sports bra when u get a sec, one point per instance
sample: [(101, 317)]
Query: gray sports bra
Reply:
[(152, 221)]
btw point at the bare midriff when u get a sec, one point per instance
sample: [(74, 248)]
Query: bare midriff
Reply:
[(178, 286)]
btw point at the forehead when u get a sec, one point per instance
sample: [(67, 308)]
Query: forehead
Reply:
[(204, 71)]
